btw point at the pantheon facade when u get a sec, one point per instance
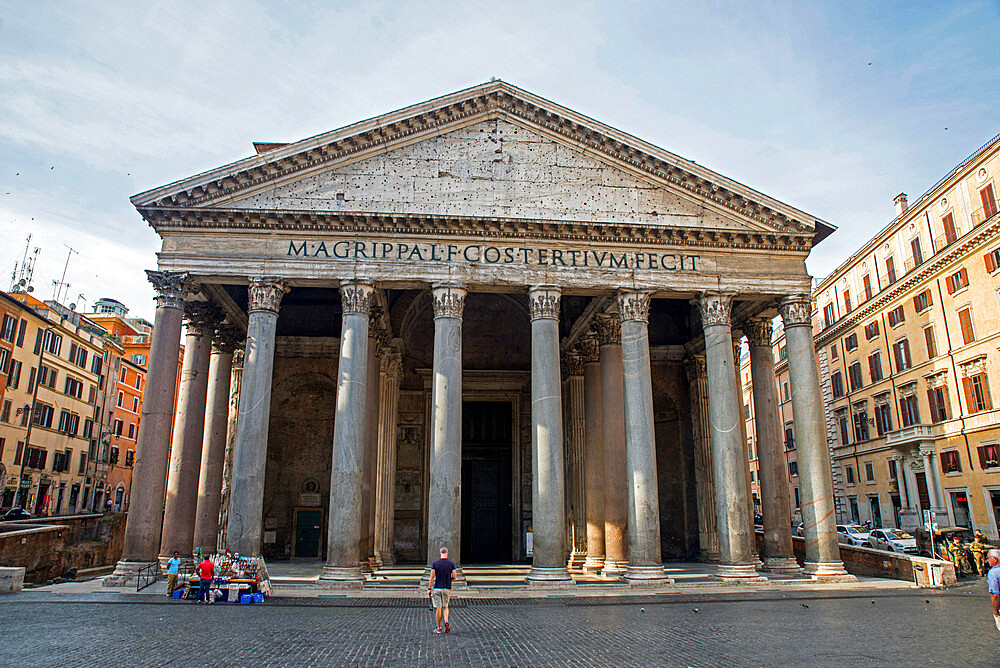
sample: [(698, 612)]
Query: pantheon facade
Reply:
[(485, 322)]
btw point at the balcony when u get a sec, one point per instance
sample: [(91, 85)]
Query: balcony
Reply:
[(911, 435)]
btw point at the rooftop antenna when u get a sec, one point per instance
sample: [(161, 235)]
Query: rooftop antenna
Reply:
[(30, 271), (82, 301), (61, 284)]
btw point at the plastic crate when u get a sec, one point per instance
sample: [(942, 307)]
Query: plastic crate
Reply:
[(246, 599), (177, 593), (258, 597)]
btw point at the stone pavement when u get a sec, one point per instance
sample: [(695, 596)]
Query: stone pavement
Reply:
[(767, 627)]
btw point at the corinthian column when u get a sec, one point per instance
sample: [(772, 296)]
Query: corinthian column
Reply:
[(815, 478), (369, 560), (609, 335), (778, 554), (593, 456), (246, 499), (645, 562), (548, 511), (728, 453), (391, 372), (343, 554), (149, 473), (444, 520), (220, 367), (708, 532), (574, 457), (235, 382)]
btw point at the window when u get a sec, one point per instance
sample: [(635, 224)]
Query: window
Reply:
[(854, 376), (977, 393), (883, 416), (5, 411), (43, 415), (851, 343), (860, 423), (121, 379), (14, 375), (95, 365), (950, 463), (20, 332), (129, 457), (989, 200), (838, 385), (783, 352), (937, 397), (834, 354), (793, 468), (965, 320), (750, 449), (117, 428), (8, 330), (992, 260), (78, 355), (890, 269), (828, 314), (896, 316), (909, 411), (73, 387), (121, 398), (69, 423), (847, 301), (948, 223), (918, 255), (875, 366), (49, 341), (4, 359), (849, 474), (138, 382), (746, 413), (866, 282), (139, 359), (798, 502), (922, 301), (83, 463), (871, 330), (987, 456), (869, 472), (893, 474), (842, 425), (131, 430), (135, 404), (901, 353), (789, 437), (930, 342), (113, 457), (956, 281), (47, 377), (785, 391)]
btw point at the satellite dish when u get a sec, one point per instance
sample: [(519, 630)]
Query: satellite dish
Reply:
[(72, 307), (30, 289)]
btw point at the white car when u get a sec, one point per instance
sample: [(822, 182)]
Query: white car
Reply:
[(892, 540), (852, 534)]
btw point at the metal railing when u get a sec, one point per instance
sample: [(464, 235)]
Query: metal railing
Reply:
[(147, 575)]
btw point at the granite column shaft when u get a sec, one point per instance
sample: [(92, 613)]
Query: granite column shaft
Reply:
[(613, 424), (593, 456)]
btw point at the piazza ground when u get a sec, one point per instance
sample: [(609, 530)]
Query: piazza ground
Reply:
[(900, 628)]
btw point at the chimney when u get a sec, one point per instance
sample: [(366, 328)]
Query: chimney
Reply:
[(901, 205)]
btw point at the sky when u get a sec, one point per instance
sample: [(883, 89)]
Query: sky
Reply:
[(831, 107)]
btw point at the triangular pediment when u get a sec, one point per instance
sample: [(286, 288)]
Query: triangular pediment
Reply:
[(489, 151)]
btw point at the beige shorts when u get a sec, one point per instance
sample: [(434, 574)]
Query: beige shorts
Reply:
[(440, 597)]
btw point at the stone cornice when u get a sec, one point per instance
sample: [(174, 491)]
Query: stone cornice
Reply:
[(487, 101), (174, 219), (934, 264)]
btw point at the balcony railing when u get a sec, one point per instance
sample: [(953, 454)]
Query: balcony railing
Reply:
[(911, 434)]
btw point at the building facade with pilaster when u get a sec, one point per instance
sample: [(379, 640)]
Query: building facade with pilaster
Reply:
[(483, 322), (907, 333)]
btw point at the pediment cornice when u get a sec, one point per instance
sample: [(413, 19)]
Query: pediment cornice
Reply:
[(174, 219), (494, 99)]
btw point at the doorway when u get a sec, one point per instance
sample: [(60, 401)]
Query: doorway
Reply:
[(486, 482), (960, 507), (308, 532), (876, 509), (925, 499)]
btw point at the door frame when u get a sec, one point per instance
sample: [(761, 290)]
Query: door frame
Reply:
[(295, 530)]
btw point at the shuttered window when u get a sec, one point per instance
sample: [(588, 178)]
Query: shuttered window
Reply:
[(965, 319)]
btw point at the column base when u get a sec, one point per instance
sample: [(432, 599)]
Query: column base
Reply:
[(375, 562), (387, 558), (781, 565), (126, 573), (577, 559), (646, 576), (342, 576), (593, 564), (549, 577), (746, 573), (755, 560), (614, 568), (708, 557), (828, 571)]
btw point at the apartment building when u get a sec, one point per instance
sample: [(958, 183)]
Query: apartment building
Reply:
[(907, 332)]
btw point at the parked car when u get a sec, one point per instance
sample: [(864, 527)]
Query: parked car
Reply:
[(17, 514), (852, 534), (941, 537), (893, 540)]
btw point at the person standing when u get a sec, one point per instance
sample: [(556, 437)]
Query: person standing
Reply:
[(439, 586), (958, 557), (979, 547), (206, 569), (173, 570), (993, 584)]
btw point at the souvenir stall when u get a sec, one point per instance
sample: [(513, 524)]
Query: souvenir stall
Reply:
[(237, 579)]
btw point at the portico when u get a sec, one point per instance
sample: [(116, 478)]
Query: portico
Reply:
[(489, 314)]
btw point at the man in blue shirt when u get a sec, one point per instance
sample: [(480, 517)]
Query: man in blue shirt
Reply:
[(173, 570), (993, 582), (439, 586)]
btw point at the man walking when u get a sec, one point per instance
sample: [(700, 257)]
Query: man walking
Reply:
[(993, 584), (173, 570), (206, 569), (442, 572)]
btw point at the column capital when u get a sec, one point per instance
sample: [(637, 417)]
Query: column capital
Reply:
[(171, 287), (448, 300), (716, 308), (608, 329), (544, 301), (589, 349), (226, 339), (356, 296), (238, 359), (796, 310), (758, 331), (572, 363), (634, 304), (265, 293), (391, 363), (202, 317), (695, 367)]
